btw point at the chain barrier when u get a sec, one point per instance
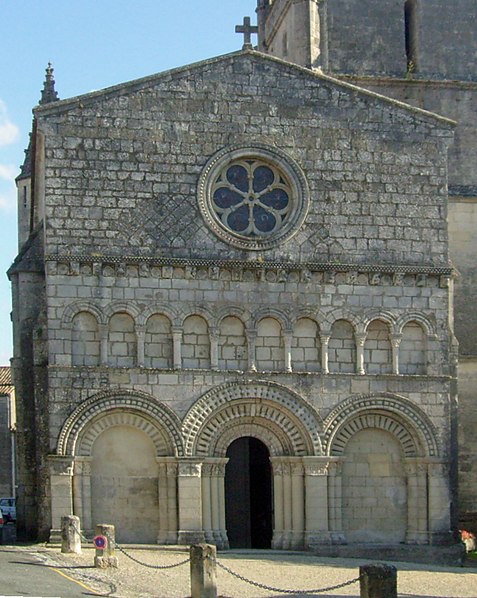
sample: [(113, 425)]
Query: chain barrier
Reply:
[(121, 549), (263, 586), (184, 562)]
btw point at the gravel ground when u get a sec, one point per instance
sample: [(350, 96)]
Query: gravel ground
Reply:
[(283, 570)]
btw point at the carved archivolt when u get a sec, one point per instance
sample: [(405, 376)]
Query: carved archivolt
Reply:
[(397, 415), (273, 413), (132, 408)]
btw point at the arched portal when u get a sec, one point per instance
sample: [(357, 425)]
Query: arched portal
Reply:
[(124, 484), (248, 494)]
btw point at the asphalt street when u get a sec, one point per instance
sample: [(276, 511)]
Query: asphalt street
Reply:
[(32, 574)]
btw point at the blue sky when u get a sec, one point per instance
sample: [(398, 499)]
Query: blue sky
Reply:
[(91, 44)]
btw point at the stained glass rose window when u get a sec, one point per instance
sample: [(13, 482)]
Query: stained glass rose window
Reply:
[(253, 197)]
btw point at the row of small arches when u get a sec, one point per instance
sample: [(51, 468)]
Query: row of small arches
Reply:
[(231, 346)]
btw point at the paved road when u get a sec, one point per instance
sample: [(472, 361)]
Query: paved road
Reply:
[(30, 574)]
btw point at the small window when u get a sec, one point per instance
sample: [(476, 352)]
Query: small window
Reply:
[(410, 28)]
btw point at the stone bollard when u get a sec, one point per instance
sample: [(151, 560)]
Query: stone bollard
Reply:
[(70, 535), (203, 575), (378, 580), (105, 555)]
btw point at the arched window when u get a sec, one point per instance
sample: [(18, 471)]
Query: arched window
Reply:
[(232, 344), (196, 343), (158, 342), (342, 348), (85, 341), (306, 348), (412, 353), (122, 341), (377, 349), (270, 352)]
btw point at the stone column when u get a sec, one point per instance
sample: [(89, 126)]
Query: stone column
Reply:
[(214, 348), (251, 338), (439, 501), (416, 532), (177, 347), (335, 500), (82, 493), (360, 340), (324, 340), (140, 345), (190, 501), (103, 333), (61, 477), (316, 507), (287, 342), (209, 502), (395, 342), (298, 503), (218, 503), (287, 504), (278, 502), (167, 476)]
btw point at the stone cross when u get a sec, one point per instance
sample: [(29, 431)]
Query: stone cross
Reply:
[(247, 31)]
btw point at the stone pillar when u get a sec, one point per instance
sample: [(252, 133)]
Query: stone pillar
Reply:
[(103, 343), (439, 501), (316, 507), (177, 347), (167, 477), (190, 501), (360, 340), (218, 502), (251, 339), (287, 342), (214, 348), (61, 477), (416, 532), (378, 581), (287, 504), (209, 502), (105, 556), (172, 501), (140, 345), (70, 535), (395, 342), (298, 503), (203, 571), (278, 502), (335, 500), (324, 340), (82, 492)]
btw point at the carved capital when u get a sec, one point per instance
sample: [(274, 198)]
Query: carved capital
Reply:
[(61, 465)]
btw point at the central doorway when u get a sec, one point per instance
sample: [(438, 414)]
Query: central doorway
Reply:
[(248, 494)]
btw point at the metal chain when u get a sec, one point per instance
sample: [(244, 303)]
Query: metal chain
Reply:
[(121, 549), (281, 590)]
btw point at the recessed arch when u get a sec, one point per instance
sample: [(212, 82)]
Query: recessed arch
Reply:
[(106, 408), (74, 309), (274, 414), (388, 412)]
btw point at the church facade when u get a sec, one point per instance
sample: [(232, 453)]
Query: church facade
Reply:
[(233, 311)]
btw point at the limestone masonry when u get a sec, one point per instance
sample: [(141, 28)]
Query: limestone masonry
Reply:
[(234, 296)]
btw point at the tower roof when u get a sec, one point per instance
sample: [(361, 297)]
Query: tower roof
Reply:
[(48, 93)]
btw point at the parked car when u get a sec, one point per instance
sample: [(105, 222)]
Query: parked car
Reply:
[(1, 519), (9, 509)]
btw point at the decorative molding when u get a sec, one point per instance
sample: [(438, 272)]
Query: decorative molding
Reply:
[(276, 414), (249, 271), (146, 409), (387, 411)]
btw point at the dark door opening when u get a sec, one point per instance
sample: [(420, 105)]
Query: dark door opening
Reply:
[(248, 494)]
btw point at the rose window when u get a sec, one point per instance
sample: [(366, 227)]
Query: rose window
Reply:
[(251, 198)]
